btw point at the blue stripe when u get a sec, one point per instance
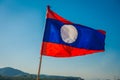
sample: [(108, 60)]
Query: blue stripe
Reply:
[(88, 38)]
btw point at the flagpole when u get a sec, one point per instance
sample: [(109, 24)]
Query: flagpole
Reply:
[(39, 68), (40, 61)]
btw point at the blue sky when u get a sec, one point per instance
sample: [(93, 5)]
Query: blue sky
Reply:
[(21, 31)]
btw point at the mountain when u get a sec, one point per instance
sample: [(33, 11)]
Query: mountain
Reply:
[(13, 74), (8, 71)]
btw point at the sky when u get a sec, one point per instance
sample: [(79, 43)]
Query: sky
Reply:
[(22, 25)]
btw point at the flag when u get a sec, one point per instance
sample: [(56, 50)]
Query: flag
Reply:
[(63, 38)]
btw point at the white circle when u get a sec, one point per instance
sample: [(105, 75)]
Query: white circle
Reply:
[(69, 33)]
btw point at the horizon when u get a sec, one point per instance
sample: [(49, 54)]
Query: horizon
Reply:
[(33, 74), (115, 78), (22, 28), (51, 75)]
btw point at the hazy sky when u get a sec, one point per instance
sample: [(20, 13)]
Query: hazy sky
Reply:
[(22, 26)]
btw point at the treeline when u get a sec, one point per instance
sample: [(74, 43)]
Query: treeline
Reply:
[(17, 78), (34, 78)]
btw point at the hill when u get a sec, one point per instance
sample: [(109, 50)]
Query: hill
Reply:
[(8, 71)]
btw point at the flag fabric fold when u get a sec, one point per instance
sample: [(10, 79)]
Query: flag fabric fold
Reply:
[(63, 38)]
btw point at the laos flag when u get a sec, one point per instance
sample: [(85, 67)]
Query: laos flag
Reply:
[(63, 38)]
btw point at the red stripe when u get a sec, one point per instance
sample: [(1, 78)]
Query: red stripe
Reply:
[(59, 50), (102, 31), (53, 15)]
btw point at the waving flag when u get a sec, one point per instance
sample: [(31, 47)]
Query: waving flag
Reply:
[(63, 38)]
